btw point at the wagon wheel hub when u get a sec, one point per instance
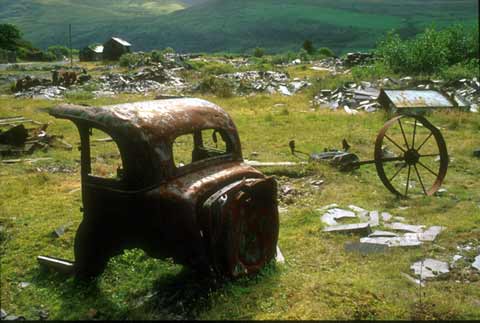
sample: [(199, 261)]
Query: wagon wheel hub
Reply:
[(411, 157)]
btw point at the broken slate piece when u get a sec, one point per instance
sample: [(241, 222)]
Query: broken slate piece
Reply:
[(386, 216), (377, 241), (23, 284), (404, 242), (456, 258), (362, 228), (430, 234), (374, 219), (430, 268), (332, 215), (476, 263), (3, 314), (384, 234), (340, 213), (365, 248), (328, 219), (405, 227), (356, 209), (60, 231), (393, 241), (279, 256)]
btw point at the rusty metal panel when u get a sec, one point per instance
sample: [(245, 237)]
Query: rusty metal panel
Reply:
[(418, 99)]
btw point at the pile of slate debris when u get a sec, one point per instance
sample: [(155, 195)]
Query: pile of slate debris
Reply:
[(399, 234), (354, 97), (19, 135), (270, 82)]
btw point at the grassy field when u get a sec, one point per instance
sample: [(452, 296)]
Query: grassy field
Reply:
[(229, 25), (319, 279)]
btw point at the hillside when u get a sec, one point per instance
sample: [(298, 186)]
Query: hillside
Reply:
[(229, 25)]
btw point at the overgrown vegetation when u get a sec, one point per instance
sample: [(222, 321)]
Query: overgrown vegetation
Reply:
[(433, 51)]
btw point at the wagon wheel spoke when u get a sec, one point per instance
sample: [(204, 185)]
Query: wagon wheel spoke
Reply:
[(398, 172), (403, 134), (414, 134), (425, 141), (430, 155), (420, 179), (408, 180), (431, 171), (393, 142)]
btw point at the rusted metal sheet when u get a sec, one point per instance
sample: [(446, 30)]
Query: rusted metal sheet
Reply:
[(216, 214), (420, 99)]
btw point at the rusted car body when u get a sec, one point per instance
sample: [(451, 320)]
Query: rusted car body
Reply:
[(216, 214)]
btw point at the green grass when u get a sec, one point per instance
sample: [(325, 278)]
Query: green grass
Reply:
[(318, 281), (230, 25)]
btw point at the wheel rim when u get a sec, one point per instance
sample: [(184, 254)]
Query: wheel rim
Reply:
[(419, 151)]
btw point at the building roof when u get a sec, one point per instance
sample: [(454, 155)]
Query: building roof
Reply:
[(418, 99), (121, 41), (156, 120), (98, 49)]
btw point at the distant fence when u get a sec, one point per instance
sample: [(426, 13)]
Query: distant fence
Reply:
[(7, 56)]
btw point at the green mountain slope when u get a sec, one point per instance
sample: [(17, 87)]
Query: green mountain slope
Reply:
[(232, 25)]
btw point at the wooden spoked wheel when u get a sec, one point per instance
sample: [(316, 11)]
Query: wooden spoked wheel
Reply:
[(411, 156)]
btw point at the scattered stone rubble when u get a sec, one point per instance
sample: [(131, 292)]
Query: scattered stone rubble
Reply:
[(154, 78), (16, 139), (413, 236), (430, 268), (353, 97), (269, 81)]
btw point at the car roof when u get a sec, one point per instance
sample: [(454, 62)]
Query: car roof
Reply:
[(158, 120)]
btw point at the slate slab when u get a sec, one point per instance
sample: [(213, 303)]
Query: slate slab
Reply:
[(361, 228), (405, 227), (476, 263), (430, 268)]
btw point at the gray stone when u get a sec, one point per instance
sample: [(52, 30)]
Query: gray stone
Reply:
[(476, 263), (3, 314), (405, 227), (332, 215), (430, 268), (456, 258), (365, 248), (356, 208), (386, 216), (362, 228), (23, 284), (393, 241), (385, 234), (430, 234), (374, 219), (284, 90), (279, 256)]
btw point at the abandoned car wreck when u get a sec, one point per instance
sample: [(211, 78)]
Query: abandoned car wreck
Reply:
[(204, 208)]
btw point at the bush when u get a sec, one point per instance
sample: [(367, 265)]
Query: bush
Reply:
[(259, 52), (461, 70), (220, 87), (132, 60), (59, 51), (325, 52), (430, 51)]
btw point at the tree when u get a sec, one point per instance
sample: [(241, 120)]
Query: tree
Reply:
[(308, 46), (258, 52), (9, 36)]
